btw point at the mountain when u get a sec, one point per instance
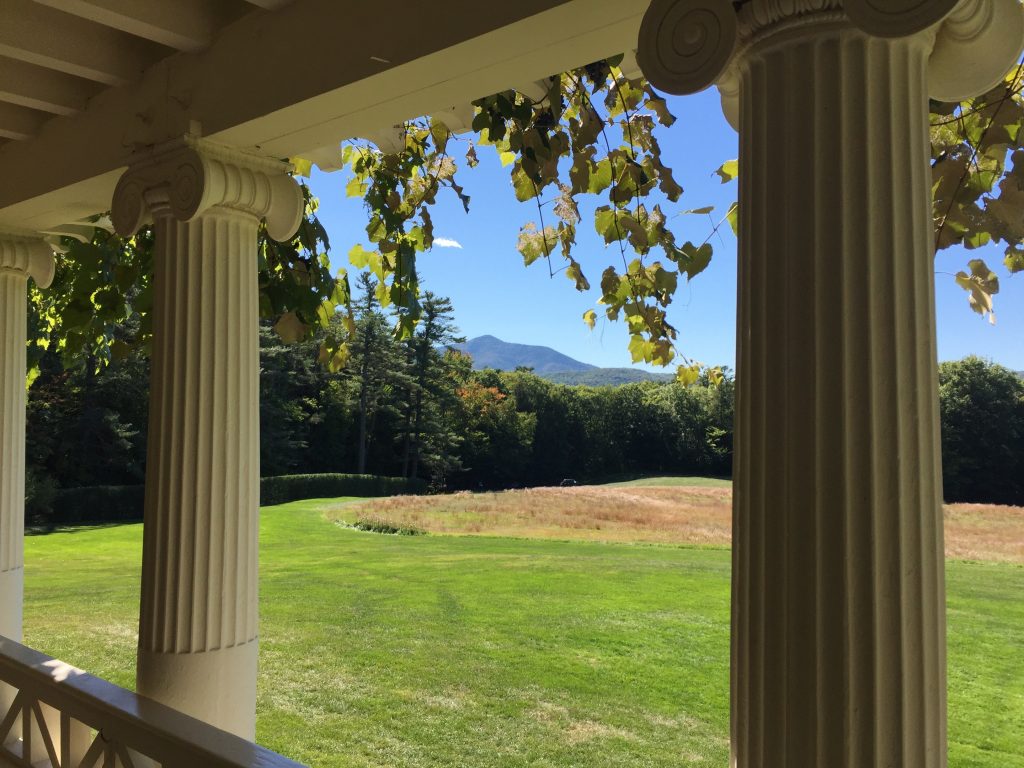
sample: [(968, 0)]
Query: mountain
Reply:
[(492, 352)]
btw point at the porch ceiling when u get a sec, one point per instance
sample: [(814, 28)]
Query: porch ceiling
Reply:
[(84, 83)]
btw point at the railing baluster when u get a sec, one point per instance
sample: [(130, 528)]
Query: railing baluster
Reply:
[(65, 740), (12, 714), (26, 731), (44, 732), (93, 753), (124, 757)]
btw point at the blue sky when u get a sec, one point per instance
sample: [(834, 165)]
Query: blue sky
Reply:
[(493, 293)]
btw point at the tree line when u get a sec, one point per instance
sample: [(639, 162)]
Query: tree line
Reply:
[(415, 408)]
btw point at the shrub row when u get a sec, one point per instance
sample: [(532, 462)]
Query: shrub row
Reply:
[(285, 488), (93, 504), (118, 503), (380, 525)]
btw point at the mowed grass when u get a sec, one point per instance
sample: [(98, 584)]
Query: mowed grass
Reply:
[(479, 651)]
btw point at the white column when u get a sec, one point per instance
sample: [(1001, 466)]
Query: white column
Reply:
[(199, 611), (838, 609), (21, 257)]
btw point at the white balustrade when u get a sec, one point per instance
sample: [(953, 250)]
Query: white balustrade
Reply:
[(62, 717)]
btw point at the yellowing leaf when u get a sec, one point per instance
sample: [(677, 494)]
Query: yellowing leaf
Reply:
[(637, 348), (507, 158), (733, 217), (290, 328), (982, 284), (688, 375), (729, 171), (303, 167), (590, 318)]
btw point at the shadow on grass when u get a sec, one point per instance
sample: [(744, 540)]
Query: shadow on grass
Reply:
[(81, 525)]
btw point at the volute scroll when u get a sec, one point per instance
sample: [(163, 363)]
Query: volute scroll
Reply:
[(686, 45)]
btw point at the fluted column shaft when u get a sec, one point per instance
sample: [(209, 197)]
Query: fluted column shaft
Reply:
[(13, 292), (198, 621), (838, 604), (20, 258), (838, 627)]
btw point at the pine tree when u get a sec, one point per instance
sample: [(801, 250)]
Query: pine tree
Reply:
[(378, 364), (429, 434)]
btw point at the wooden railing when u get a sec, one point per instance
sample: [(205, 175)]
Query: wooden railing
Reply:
[(56, 716)]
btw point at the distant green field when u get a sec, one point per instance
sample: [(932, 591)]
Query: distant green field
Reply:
[(471, 651), (701, 482)]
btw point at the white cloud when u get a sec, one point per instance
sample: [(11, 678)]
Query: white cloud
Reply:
[(446, 242)]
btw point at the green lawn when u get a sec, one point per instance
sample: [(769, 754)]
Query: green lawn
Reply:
[(451, 651)]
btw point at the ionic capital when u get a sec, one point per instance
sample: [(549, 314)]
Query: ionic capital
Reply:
[(27, 255), (186, 178), (686, 46)]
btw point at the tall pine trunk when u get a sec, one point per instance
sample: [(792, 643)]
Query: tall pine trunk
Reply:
[(361, 465)]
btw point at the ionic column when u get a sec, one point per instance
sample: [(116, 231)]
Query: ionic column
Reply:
[(199, 609), (21, 257), (838, 609)]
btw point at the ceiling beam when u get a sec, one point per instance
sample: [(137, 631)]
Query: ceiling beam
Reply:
[(185, 25), (43, 89), (246, 92), (20, 123), (39, 35)]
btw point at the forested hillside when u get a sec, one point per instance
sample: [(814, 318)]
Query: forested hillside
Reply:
[(416, 408)]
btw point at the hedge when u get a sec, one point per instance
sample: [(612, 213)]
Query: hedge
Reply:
[(94, 504), (285, 488), (119, 503)]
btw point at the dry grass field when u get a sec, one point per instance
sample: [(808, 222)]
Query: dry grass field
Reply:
[(655, 513)]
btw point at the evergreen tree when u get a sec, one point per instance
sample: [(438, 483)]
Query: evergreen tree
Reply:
[(430, 436), (378, 365)]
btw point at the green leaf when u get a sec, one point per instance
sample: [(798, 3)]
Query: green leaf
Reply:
[(574, 273), (659, 106), (533, 244), (359, 257), (356, 187), (1014, 260), (729, 171), (524, 187), (604, 223), (697, 259), (600, 177), (704, 210)]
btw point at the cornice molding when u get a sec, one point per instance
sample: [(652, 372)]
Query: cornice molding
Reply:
[(185, 178)]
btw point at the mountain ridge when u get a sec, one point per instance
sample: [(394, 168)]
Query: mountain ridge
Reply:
[(489, 351)]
